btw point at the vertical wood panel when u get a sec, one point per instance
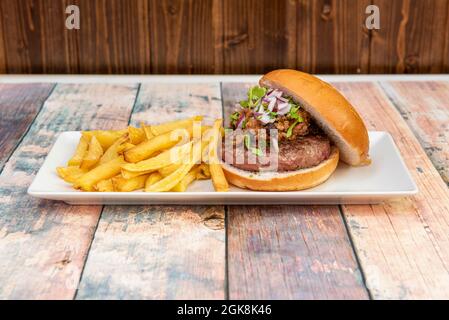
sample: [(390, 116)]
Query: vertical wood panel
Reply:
[(288, 252), (259, 35), (44, 243), (3, 62), (332, 37), (413, 37), (224, 36), (160, 252), (188, 36), (114, 36)]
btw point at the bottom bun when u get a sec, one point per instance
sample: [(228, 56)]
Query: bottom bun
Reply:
[(283, 181)]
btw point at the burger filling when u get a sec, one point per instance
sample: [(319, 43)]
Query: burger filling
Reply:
[(297, 143)]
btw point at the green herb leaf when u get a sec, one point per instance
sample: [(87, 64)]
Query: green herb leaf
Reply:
[(290, 129), (255, 95), (257, 92), (257, 152), (247, 141), (244, 104), (293, 113)]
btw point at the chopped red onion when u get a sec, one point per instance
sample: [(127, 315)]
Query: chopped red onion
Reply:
[(282, 99), (265, 118), (283, 108), (271, 104), (274, 93)]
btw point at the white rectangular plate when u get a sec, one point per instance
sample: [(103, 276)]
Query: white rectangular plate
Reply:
[(387, 177)]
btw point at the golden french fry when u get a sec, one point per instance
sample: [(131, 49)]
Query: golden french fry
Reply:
[(218, 178), (203, 172), (71, 173), (165, 171), (147, 131), (114, 150), (105, 186), (170, 126), (105, 137), (136, 135), (80, 152), (93, 154), (167, 157), (147, 148), (130, 174), (104, 171), (188, 179), (126, 185), (170, 181), (125, 147), (152, 179)]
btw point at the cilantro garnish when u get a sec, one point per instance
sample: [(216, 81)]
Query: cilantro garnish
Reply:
[(290, 129), (244, 104), (247, 141), (255, 95), (234, 117), (257, 152)]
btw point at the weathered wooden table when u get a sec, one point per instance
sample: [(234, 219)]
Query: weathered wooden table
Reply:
[(399, 249)]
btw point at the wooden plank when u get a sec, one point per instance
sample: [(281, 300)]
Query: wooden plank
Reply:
[(44, 243), (3, 63), (35, 40), (19, 105), (216, 36), (259, 35), (332, 37), (160, 252), (188, 36), (412, 38), (288, 252), (114, 36), (425, 108), (401, 244)]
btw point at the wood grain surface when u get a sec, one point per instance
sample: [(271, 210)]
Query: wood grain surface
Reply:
[(223, 36), (413, 37), (425, 108), (332, 37), (19, 105), (186, 33), (160, 252), (395, 250), (401, 244), (258, 35), (44, 243), (288, 252)]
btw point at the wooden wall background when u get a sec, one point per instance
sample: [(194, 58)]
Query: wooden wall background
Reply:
[(224, 36)]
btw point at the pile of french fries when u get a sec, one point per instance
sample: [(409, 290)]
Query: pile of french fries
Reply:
[(155, 158)]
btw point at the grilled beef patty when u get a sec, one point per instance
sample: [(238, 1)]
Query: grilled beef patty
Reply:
[(303, 152)]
